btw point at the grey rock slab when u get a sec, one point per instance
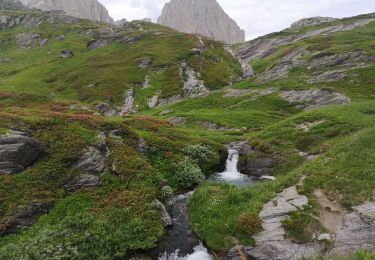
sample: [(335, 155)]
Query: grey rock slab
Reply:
[(91, 162), (18, 152)]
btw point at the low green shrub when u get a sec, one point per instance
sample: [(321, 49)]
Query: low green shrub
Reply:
[(249, 223), (188, 174)]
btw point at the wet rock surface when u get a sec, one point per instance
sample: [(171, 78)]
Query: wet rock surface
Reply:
[(18, 152)]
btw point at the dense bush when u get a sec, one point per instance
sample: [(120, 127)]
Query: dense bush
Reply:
[(249, 223), (188, 174)]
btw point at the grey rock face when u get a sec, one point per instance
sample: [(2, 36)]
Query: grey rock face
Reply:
[(18, 152), (358, 231), (84, 181), (121, 23), (204, 17), (329, 76), (271, 243), (314, 98), (258, 167), (86, 9), (10, 4), (25, 216), (105, 109), (169, 100), (91, 162)]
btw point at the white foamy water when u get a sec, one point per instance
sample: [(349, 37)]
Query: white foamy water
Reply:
[(200, 253)]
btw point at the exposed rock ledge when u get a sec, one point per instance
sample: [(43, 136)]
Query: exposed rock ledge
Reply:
[(356, 233)]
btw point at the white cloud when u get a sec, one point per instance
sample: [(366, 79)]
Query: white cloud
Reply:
[(257, 17)]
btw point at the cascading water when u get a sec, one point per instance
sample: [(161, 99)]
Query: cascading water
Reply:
[(231, 174), (180, 242)]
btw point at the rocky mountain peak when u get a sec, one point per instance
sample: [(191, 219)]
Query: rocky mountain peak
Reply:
[(205, 17), (86, 9)]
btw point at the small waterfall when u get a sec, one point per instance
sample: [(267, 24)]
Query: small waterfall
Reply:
[(232, 161), (231, 175)]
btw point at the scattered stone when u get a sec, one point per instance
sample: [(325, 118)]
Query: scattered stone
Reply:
[(6, 60), (169, 100), (106, 110), (166, 112), (314, 98), (91, 85), (18, 152), (91, 162), (43, 42), (267, 178), (146, 82), (60, 38), (168, 222), (146, 63), (306, 126), (177, 121), (142, 146), (325, 237), (66, 54)]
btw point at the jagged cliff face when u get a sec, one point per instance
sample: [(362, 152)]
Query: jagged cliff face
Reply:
[(86, 9), (205, 17)]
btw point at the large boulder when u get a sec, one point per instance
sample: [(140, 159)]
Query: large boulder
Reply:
[(18, 152), (258, 167)]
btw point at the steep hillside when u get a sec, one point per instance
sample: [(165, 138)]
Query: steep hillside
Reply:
[(101, 125), (59, 58)]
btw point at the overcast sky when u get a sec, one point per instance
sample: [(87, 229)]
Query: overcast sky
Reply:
[(256, 17)]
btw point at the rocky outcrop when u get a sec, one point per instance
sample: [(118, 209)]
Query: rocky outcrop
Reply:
[(271, 242), (329, 76), (310, 22), (258, 167), (358, 231), (128, 107), (177, 121), (105, 109), (86, 9), (91, 162), (29, 40), (314, 98), (18, 152), (204, 17), (265, 46), (107, 36), (24, 217), (192, 85)]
